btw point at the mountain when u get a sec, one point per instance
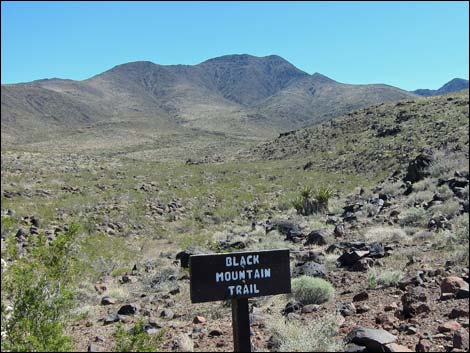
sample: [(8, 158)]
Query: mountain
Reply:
[(376, 138), (457, 84), (241, 96)]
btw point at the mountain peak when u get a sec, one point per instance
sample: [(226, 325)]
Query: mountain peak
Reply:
[(454, 85)]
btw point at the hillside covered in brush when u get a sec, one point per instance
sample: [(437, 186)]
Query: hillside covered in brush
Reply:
[(379, 138)]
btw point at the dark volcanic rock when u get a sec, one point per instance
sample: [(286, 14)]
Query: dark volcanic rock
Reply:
[(292, 307), (376, 250), (414, 302), (359, 297), (289, 229), (349, 258), (318, 237), (310, 268), (374, 340), (339, 231), (128, 309)]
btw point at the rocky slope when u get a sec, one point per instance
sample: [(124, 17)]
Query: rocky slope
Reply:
[(383, 137)]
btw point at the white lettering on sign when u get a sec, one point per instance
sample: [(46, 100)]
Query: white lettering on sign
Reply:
[(243, 289), (232, 261), (242, 275)]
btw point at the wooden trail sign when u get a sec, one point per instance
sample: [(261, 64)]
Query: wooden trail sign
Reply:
[(238, 276)]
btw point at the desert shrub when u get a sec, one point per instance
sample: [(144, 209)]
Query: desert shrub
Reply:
[(460, 227), (39, 290), (393, 188), (369, 210), (448, 209), (427, 184), (445, 192), (136, 339), (444, 166), (314, 336), (312, 290), (385, 278), (417, 198), (414, 216), (384, 234), (101, 254)]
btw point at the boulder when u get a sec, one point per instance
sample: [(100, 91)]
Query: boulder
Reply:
[(289, 229), (318, 237), (307, 255), (339, 231), (414, 302), (129, 309), (361, 296), (310, 268), (373, 339), (454, 286), (349, 258)]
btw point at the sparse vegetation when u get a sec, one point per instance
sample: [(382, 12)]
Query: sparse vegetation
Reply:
[(415, 216), (385, 234), (384, 278), (315, 336), (136, 339)]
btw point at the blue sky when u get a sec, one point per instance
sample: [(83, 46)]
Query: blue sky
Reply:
[(406, 44)]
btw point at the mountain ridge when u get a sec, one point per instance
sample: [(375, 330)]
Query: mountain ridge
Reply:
[(240, 95)]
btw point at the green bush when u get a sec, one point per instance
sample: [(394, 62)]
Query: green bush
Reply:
[(312, 290), (39, 290), (136, 339)]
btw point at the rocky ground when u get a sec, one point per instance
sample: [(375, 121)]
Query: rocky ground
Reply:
[(393, 245)]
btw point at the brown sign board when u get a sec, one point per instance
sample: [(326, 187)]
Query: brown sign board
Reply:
[(239, 275)]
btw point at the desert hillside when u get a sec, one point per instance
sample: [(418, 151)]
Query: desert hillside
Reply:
[(372, 204)]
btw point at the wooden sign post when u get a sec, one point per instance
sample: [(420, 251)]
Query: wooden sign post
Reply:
[(238, 276)]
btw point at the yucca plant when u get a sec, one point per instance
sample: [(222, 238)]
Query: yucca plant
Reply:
[(311, 201)]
